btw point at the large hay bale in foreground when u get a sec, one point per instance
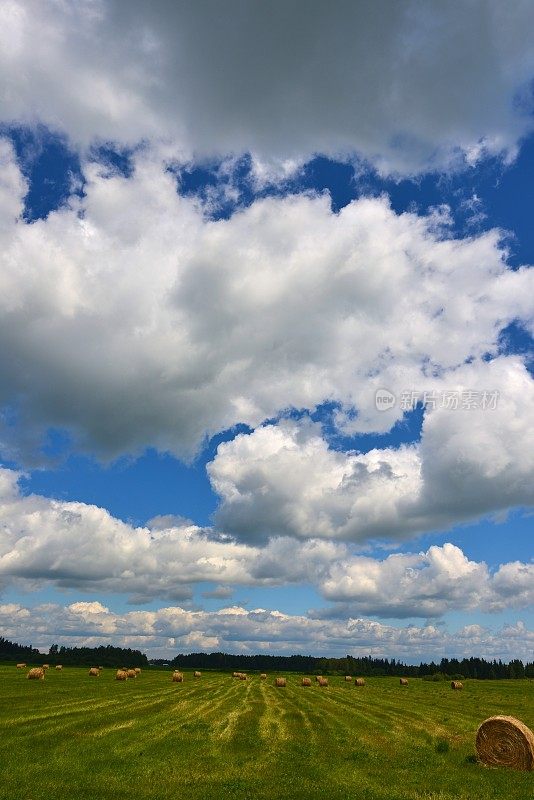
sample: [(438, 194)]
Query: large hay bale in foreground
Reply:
[(177, 677), (59, 667), (348, 679), (122, 675), (263, 676), (457, 685), (280, 682), (505, 742), (306, 682), (131, 673), (359, 682), (94, 672), (403, 681), (197, 674), (36, 674), (21, 666)]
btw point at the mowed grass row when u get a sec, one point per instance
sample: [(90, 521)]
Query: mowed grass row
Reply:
[(73, 736)]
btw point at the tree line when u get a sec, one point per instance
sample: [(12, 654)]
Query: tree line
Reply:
[(105, 655), (109, 656), (350, 665)]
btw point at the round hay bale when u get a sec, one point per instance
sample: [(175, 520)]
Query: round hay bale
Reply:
[(236, 674), (323, 681), (505, 742), (36, 674), (403, 681), (122, 675), (197, 674), (137, 670), (177, 677), (101, 668), (359, 682), (318, 678), (348, 679), (59, 667), (46, 666), (131, 673), (243, 677), (94, 672), (457, 685), (21, 666), (263, 676), (280, 682), (306, 682)]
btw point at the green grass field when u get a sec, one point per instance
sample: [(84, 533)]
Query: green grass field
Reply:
[(72, 736)]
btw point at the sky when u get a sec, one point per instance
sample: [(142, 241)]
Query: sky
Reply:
[(266, 326)]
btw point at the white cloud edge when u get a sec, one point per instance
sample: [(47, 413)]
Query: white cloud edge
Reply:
[(166, 631)]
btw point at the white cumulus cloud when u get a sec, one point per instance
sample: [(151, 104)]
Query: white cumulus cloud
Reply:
[(131, 321)]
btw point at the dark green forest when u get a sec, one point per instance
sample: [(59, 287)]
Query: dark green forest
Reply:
[(110, 656)]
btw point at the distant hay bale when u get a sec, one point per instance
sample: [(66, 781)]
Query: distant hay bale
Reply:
[(359, 682), (403, 681), (177, 677), (243, 676), (306, 682), (323, 681), (348, 678), (457, 685), (59, 667), (280, 682), (263, 676), (101, 668), (122, 675), (197, 674), (131, 673), (36, 674), (137, 670), (94, 672), (236, 674), (21, 666), (318, 678), (505, 742), (46, 666)]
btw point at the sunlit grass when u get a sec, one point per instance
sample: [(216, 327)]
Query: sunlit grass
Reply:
[(73, 736)]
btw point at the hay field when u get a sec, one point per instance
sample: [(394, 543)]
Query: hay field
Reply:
[(74, 737)]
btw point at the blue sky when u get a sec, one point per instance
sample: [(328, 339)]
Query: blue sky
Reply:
[(196, 320)]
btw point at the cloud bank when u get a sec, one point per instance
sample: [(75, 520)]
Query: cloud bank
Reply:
[(132, 321), (79, 546), (169, 630), (411, 86)]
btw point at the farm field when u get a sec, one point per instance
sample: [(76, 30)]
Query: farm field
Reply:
[(72, 736)]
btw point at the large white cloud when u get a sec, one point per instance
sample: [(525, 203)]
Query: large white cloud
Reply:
[(83, 546), (284, 478), (79, 546), (170, 630), (406, 84), (132, 321), (427, 584)]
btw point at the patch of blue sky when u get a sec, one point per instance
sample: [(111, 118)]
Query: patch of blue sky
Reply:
[(51, 167)]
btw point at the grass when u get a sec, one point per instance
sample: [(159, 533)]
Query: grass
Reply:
[(76, 737)]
